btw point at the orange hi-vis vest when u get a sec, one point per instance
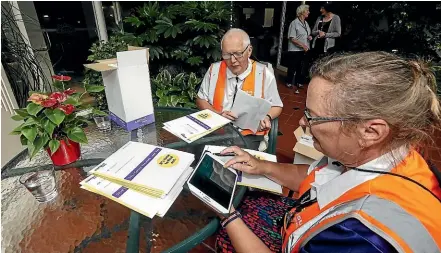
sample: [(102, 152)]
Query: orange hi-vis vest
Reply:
[(399, 211), (254, 85)]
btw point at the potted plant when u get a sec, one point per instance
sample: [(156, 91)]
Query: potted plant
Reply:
[(52, 122)]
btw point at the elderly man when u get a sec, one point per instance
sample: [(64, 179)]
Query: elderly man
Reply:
[(237, 71)]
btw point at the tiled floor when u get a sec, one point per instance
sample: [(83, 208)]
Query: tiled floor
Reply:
[(293, 106)]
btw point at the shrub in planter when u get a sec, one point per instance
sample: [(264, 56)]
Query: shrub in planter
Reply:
[(51, 122)]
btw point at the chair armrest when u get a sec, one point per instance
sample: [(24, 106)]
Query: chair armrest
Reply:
[(272, 137)]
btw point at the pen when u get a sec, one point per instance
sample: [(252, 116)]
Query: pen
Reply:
[(226, 154)]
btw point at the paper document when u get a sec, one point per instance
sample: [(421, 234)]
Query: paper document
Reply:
[(146, 168), (249, 110), (135, 200), (194, 126), (255, 181), (307, 140)]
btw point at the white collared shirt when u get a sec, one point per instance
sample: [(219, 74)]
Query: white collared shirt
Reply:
[(271, 93)]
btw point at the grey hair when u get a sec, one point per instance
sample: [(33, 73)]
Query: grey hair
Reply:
[(379, 85), (301, 9), (245, 36)]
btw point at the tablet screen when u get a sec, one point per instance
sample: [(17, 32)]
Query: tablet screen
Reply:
[(214, 180)]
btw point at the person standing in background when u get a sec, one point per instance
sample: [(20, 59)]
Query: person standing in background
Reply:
[(299, 36), (326, 31)]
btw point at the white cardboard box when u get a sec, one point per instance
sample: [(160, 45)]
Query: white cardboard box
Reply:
[(127, 86), (305, 153)]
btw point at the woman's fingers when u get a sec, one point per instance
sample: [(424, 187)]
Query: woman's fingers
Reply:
[(234, 149), (243, 167), (237, 159)]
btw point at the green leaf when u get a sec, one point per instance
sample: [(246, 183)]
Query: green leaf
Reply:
[(97, 112), (30, 122), (94, 88), (72, 101), (134, 21), (196, 25), (179, 54), (205, 40), (30, 133), (54, 145), (162, 102), (161, 93), (174, 100), (178, 80), (77, 134), (165, 26), (17, 117), (22, 112), (151, 36), (38, 144), (189, 105), (194, 60), (23, 140), (59, 85), (56, 116), (33, 109), (49, 127), (17, 130), (193, 81)]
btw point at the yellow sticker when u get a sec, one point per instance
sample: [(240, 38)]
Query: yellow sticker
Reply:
[(259, 157), (168, 160), (205, 115)]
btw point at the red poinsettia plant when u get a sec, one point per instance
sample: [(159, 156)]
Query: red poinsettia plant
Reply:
[(52, 117)]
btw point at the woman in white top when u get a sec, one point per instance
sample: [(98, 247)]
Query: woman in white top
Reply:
[(371, 114), (299, 36)]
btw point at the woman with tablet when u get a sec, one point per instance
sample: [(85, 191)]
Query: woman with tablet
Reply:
[(371, 114)]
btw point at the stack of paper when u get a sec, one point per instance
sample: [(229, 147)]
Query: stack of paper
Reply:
[(143, 177), (139, 202), (146, 168), (245, 179), (194, 126)]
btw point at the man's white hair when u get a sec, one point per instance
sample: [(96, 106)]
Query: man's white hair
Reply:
[(245, 37), (302, 9)]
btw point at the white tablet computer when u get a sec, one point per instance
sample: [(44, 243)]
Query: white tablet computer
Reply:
[(213, 184)]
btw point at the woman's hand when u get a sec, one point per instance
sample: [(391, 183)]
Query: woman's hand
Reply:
[(309, 37), (245, 162), (322, 34)]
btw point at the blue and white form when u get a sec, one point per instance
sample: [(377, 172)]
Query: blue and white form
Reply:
[(135, 200), (196, 125), (145, 168)]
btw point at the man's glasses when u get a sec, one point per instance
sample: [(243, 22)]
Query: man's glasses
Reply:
[(316, 120), (237, 55)]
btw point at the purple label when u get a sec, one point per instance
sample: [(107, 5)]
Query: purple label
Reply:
[(136, 171), (134, 124), (120, 192), (200, 123)]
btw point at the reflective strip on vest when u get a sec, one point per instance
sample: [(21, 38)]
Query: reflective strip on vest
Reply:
[(396, 220), (410, 224)]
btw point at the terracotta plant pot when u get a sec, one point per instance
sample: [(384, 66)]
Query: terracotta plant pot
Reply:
[(67, 153)]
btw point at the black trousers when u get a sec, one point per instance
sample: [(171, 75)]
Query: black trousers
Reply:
[(296, 63), (253, 141)]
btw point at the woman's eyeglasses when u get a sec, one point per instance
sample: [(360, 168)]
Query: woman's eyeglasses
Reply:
[(314, 120), (237, 55)]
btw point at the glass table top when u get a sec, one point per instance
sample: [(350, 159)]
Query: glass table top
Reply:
[(81, 221)]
